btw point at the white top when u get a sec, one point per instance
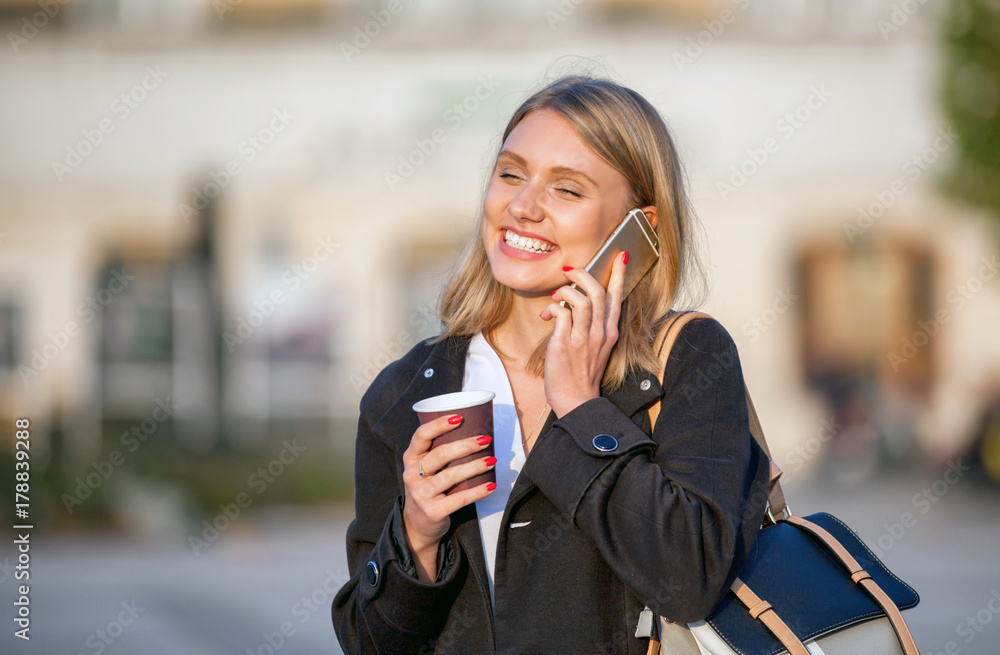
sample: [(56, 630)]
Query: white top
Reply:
[(484, 370)]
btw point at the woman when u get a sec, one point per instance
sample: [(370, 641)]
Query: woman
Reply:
[(579, 532)]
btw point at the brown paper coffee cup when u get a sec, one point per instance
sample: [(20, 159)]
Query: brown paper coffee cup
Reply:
[(476, 408)]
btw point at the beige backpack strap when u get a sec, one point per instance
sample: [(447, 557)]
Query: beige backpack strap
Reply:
[(663, 344)]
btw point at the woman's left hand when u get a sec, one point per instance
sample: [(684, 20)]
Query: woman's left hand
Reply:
[(581, 342)]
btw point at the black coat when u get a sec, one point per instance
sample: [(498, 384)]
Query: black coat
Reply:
[(663, 521)]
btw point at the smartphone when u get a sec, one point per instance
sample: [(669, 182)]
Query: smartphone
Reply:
[(634, 234)]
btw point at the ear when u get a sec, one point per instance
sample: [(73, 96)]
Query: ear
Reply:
[(650, 211)]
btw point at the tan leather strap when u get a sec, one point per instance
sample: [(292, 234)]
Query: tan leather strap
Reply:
[(775, 496), (664, 343), (861, 577), (763, 612), (654, 646)]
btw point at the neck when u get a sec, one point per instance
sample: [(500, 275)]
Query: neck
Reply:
[(523, 329)]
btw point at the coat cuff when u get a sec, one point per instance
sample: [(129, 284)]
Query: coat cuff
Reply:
[(446, 549), (401, 599), (566, 460)]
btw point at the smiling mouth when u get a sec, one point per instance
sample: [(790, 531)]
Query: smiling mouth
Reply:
[(526, 244)]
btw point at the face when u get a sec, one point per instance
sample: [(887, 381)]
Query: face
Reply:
[(550, 187)]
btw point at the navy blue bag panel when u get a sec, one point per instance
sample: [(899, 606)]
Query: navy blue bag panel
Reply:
[(808, 586)]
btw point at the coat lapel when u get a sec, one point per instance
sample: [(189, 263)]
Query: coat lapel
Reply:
[(441, 372)]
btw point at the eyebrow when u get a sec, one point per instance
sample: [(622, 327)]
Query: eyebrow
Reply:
[(558, 170)]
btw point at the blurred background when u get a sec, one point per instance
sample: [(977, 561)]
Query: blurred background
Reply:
[(220, 219)]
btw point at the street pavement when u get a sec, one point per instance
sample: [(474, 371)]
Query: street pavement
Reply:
[(266, 584)]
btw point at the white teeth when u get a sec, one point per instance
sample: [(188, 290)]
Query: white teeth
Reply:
[(524, 243)]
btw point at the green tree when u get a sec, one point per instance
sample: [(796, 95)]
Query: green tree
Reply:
[(971, 100)]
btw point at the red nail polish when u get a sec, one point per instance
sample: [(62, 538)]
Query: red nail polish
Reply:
[(491, 486), (490, 461), (455, 420), (553, 292), (483, 440), (625, 258), (567, 268)]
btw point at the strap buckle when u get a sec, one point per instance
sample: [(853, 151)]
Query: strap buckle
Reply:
[(784, 513)]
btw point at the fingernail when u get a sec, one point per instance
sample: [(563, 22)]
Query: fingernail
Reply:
[(553, 292), (625, 258), (567, 268), (490, 461), (491, 486), (483, 440), (455, 420)]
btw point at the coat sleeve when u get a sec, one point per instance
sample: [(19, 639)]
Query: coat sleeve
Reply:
[(674, 515), (384, 607)]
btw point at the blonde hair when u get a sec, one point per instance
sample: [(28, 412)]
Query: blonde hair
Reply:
[(624, 129)]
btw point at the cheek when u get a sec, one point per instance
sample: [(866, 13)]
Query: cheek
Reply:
[(495, 201)]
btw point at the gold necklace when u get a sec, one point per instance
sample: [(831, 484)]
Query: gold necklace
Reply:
[(524, 442)]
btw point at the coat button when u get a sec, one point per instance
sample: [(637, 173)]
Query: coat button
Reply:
[(644, 385), (429, 372), (371, 573), (605, 442)]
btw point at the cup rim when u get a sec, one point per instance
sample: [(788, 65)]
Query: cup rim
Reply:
[(451, 401)]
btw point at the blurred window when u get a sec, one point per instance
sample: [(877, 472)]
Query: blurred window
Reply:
[(10, 335), (862, 307), (134, 302)]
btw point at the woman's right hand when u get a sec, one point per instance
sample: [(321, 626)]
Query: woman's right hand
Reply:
[(426, 509)]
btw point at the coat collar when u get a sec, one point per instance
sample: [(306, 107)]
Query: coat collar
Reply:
[(442, 371)]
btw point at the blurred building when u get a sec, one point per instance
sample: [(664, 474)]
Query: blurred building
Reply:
[(245, 208)]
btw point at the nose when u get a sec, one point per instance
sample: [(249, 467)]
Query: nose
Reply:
[(525, 205)]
